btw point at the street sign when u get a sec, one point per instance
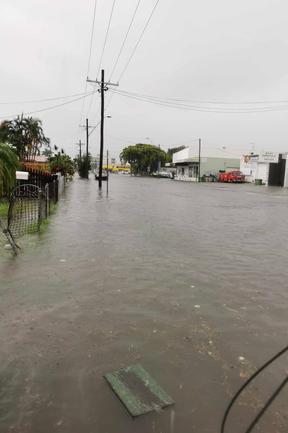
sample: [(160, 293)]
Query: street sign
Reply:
[(22, 175)]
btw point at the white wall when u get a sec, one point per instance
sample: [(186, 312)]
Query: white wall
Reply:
[(183, 173), (253, 169), (286, 171), (262, 172), (182, 155)]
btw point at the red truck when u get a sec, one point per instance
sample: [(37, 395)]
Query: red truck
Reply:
[(232, 177)]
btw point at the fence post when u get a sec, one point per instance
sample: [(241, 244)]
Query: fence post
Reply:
[(57, 189), (47, 200), (39, 208)]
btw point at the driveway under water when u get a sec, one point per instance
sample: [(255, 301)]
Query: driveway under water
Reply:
[(189, 280)]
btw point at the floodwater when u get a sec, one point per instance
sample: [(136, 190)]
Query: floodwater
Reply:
[(189, 280)]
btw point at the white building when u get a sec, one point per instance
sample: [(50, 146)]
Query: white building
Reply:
[(211, 163), (269, 167)]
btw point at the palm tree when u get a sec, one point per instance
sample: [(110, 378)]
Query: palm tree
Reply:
[(8, 166), (25, 134)]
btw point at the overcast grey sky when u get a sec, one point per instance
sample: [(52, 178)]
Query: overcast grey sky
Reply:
[(227, 51)]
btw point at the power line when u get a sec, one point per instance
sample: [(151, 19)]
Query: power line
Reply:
[(91, 39), (125, 38), (139, 40), (213, 101), (164, 102), (33, 101), (102, 53), (48, 108), (106, 37), (173, 101), (89, 58), (177, 101)]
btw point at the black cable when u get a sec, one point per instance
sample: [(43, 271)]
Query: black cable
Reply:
[(106, 37), (89, 57), (48, 108), (257, 372), (102, 54), (208, 102), (202, 109), (91, 37), (52, 98), (139, 40), (268, 403), (125, 38)]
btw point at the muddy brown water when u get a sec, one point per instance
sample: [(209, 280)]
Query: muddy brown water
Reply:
[(189, 280)]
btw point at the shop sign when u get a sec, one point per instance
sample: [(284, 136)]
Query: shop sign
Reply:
[(269, 157)]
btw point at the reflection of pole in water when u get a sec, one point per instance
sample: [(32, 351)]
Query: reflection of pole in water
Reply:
[(172, 420), (107, 187)]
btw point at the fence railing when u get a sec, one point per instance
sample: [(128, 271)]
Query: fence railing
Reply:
[(29, 206)]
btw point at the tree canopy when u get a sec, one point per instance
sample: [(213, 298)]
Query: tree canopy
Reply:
[(8, 165), (61, 163), (143, 158), (25, 134), (83, 165)]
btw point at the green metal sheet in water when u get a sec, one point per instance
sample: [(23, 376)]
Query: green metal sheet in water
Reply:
[(137, 390)]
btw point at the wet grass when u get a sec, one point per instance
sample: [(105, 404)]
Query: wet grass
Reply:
[(4, 205)]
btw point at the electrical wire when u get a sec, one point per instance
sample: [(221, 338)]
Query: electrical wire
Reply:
[(212, 102), (241, 389), (91, 39), (33, 101), (47, 108), (267, 405), (165, 103), (89, 58), (125, 38), (173, 102), (106, 37), (102, 53), (139, 40)]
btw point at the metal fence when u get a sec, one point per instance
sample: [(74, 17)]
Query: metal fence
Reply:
[(29, 206)]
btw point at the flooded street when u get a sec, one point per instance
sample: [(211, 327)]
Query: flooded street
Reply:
[(190, 280)]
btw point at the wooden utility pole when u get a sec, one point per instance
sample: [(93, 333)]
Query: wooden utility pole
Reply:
[(87, 149), (80, 146), (103, 88), (199, 163), (107, 172)]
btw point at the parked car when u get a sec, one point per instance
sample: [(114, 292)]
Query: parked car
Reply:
[(232, 177)]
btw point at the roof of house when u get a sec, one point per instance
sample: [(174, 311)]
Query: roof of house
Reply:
[(41, 159)]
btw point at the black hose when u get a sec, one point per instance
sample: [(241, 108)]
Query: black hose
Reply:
[(268, 403), (257, 372)]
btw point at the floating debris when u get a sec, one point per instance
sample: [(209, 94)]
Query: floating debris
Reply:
[(137, 390)]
